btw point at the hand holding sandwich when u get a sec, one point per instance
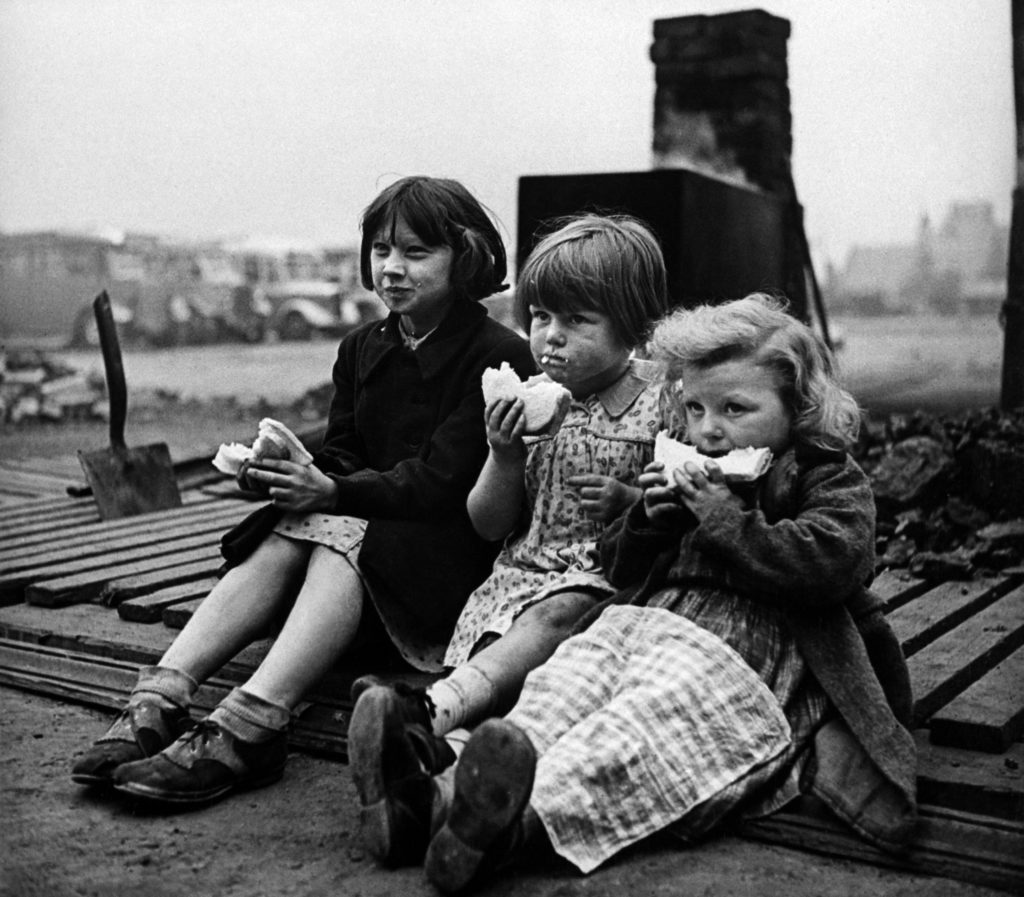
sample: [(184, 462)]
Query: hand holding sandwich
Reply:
[(293, 486), (700, 491)]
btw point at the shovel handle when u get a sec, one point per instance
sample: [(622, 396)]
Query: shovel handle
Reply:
[(117, 390)]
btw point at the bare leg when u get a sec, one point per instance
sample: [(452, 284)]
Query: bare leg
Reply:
[(238, 609), (530, 640), (319, 628), (489, 683)]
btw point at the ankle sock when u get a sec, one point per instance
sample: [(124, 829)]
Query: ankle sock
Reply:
[(166, 687), (250, 718), (443, 785), (457, 739), (466, 696)]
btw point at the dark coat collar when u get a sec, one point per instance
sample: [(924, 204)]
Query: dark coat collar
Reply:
[(439, 348)]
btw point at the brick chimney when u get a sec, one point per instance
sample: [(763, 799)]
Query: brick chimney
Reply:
[(722, 100)]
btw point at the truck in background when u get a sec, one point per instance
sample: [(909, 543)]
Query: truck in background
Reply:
[(168, 292)]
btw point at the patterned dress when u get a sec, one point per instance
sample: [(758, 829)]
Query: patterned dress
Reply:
[(554, 548)]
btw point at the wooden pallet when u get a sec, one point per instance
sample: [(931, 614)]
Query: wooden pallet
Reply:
[(88, 601)]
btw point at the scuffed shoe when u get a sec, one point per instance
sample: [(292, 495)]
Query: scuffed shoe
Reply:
[(204, 764), (493, 781), (140, 731), (393, 760)]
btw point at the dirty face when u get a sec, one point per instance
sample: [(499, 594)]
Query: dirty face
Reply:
[(578, 349), (734, 404), (411, 277)]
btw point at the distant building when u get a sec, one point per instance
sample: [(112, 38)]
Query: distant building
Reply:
[(960, 267)]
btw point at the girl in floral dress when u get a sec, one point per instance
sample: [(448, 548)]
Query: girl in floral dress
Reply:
[(587, 295)]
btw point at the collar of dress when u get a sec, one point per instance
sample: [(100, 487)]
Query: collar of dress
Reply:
[(620, 395)]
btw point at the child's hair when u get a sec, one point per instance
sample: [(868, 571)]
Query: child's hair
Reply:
[(607, 263), (760, 327), (440, 212)]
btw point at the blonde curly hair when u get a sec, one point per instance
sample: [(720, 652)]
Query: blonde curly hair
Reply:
[(759, 326)]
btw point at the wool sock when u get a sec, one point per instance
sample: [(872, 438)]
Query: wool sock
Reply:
[(166, 687), (466, 696), (250, 718)]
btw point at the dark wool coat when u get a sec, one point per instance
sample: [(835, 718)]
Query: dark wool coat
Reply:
[(804, 544), (405, 441)]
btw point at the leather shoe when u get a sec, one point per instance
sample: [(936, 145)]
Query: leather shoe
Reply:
[(393, 761), (140, 731), (493, 781), (204, 764)]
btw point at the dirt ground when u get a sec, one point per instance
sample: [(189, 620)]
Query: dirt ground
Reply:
[(299, 837)]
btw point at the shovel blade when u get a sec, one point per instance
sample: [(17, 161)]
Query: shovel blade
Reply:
[(130, 481)]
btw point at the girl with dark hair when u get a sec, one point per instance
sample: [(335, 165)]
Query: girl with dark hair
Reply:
[(588, 294), (368, 548)]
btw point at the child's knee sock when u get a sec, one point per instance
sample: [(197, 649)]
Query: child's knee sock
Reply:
[(466, 696), (250, 718), (166, 687)]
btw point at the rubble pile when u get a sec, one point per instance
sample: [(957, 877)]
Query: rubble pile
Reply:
[(34, 386), (949, 491)]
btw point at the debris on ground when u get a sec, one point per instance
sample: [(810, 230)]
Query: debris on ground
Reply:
[(949, 491), (34, 386)]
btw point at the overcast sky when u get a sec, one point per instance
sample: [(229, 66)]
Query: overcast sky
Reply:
[(285, 117)]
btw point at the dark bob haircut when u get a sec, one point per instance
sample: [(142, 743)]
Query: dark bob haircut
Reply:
[(440, 212), (607, 263)]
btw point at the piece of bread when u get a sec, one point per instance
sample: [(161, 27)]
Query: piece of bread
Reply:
[(231, 456), (545, 402), (273, 440), (739, 466)]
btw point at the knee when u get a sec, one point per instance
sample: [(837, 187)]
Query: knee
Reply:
[(558, 613)]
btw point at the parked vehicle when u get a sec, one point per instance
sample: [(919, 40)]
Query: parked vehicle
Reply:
[(162, 292), (194, 295), (306, 309)]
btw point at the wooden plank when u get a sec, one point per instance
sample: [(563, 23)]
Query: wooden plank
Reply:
[(177, 615), (118, 590), (88, 585), (191, 506), (111, 544), (66, 466), (953, 845), (897, 587), (988, 716), (947, 666), (969, 781), (49, 522), (33, 483), (15, 582), (149, 608), (72, 514), (943, 608), (33, 508)]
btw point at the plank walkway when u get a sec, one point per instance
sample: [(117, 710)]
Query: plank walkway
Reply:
[(85, 602)]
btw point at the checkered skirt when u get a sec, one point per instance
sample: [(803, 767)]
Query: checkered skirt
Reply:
[(645, 720)]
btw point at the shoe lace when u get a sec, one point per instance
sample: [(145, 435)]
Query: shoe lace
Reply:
[(198, 735)]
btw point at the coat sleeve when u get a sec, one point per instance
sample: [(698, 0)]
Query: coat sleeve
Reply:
[(629, 547), (817, 558), (435, 481)]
